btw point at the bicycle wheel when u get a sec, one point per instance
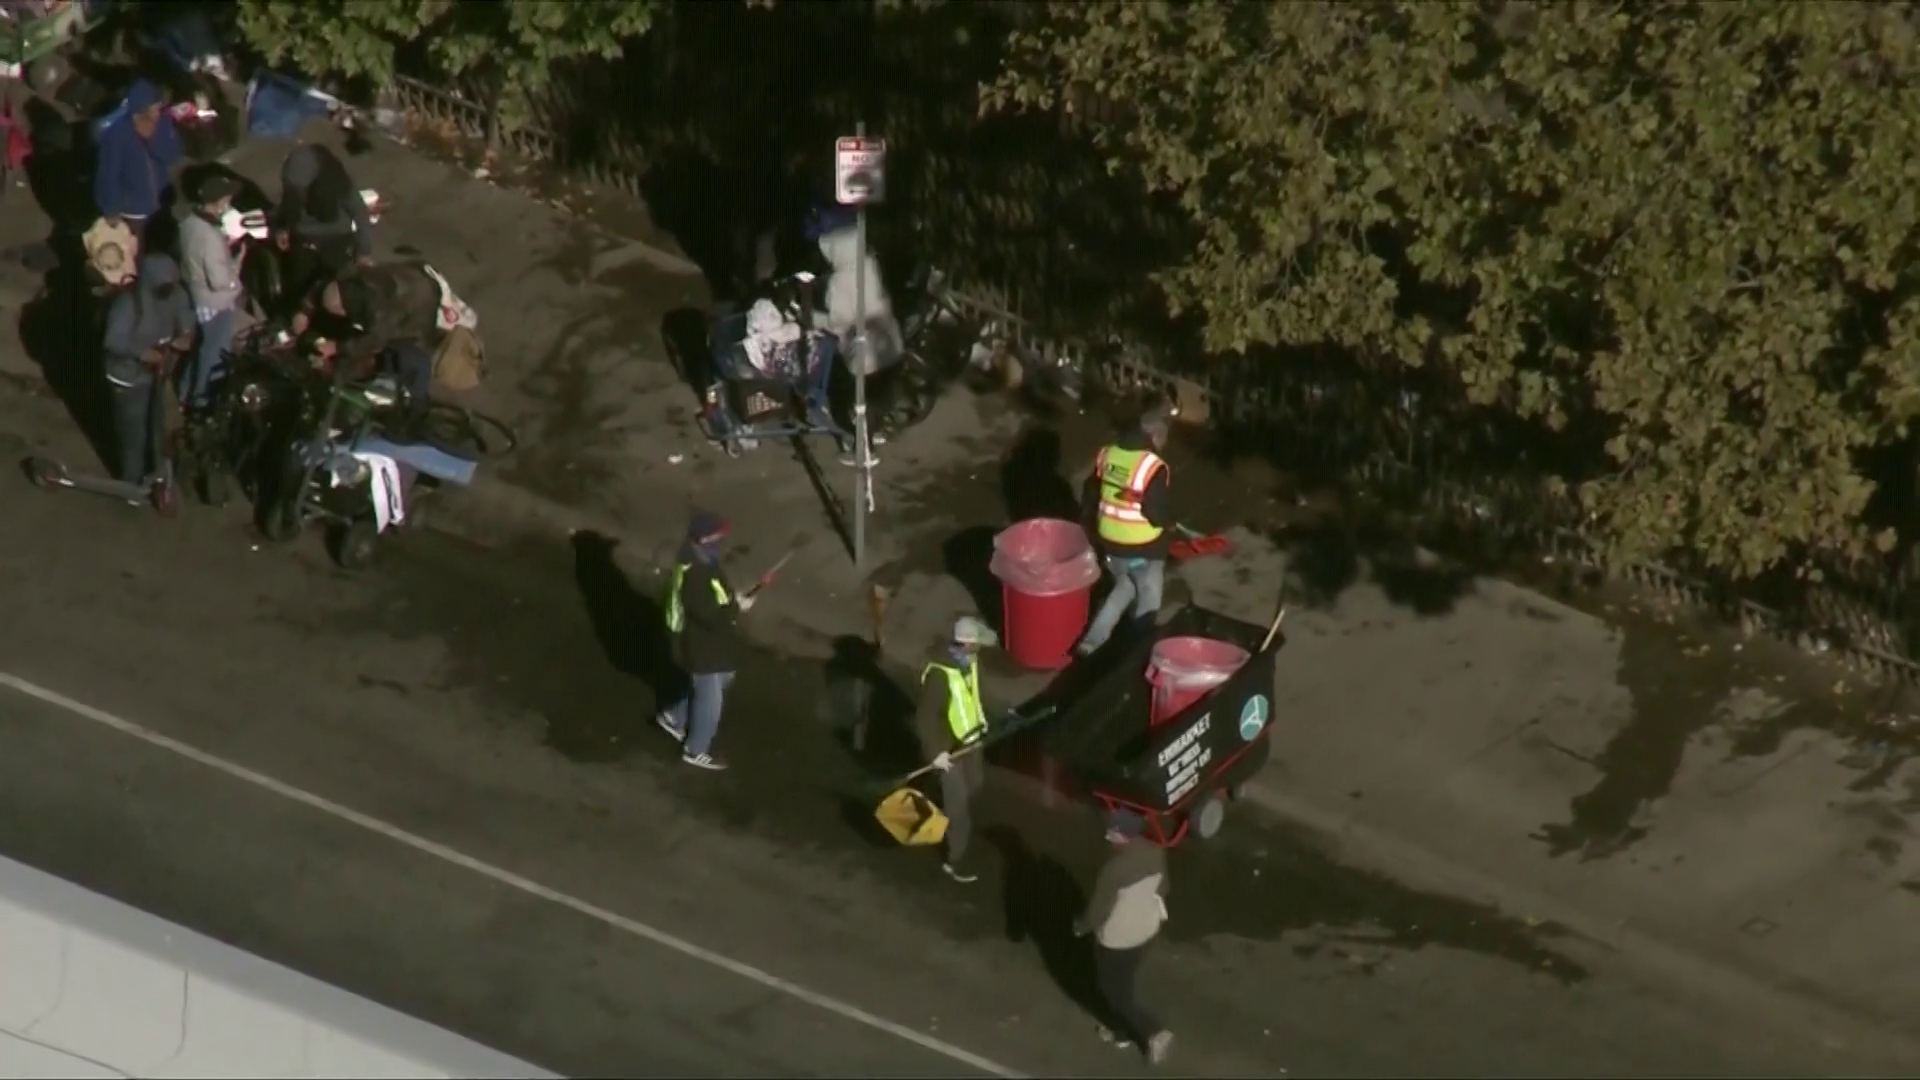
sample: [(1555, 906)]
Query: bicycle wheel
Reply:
[(462, 431)]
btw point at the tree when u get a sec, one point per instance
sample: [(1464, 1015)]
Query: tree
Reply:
[(1690, 225), (518, 42)]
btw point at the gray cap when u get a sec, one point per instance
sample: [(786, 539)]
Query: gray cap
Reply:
[(968, 630)]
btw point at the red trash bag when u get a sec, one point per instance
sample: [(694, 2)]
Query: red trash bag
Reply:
[(1182, 670), (1047, 571)]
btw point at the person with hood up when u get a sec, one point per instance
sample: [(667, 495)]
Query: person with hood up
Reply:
[(148, 326), (703, 612), (321, 220), (211, 269), (951, 718), (1127, 495), (1124, 914), (137, 148)]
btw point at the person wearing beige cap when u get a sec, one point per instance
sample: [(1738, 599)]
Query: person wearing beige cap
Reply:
[(950, 718)]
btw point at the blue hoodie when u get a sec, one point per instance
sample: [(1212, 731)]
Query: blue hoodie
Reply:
[(130, 172)]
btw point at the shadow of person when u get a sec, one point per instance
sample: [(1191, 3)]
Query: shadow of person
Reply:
[(686, 333), (1040, 901), (629, 625), (968, 559), (1030, 480), (868, 710), (61, 331), (60, 172)]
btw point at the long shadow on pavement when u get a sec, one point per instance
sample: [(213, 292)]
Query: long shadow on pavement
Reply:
[(629, 627)]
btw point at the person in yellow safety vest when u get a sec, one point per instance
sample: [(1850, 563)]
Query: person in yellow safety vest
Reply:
[(1127, 499), (703, 611), (950, 718)]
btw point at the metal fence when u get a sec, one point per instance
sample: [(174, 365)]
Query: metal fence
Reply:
[(1410, 444)]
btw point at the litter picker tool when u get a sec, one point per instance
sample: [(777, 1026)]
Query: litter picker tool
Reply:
[(766, 579)]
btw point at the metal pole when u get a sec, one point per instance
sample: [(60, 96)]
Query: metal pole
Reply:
[(863, 454)]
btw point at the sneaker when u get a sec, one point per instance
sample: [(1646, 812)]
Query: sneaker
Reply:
[(704, 761), (1085, 649), (665, 720), (959, 875), (1158, 1046), (1113, 1038)]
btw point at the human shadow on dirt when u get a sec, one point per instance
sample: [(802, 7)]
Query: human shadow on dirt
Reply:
[(967, 557), (1030, 481), (868, 710), (686, 332), (628, 625), (1040, 899)]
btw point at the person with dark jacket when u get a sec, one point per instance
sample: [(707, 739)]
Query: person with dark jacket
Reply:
[(950, 718), (1124, 914), (149, 326), (378, 317), (703, 612), (321, 220), (136, 148), (1127, 498)]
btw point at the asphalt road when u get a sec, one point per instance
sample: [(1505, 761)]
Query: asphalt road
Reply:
[(437, 784)]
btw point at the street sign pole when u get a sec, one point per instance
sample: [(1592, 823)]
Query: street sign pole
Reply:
[(860, 178)]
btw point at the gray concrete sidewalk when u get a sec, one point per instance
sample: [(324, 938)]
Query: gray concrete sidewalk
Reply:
[(1676, 794)]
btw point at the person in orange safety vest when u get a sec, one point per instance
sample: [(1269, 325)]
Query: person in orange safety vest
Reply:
[(1132, 511)]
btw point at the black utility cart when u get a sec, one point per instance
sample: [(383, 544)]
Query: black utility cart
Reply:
[(1100, 745)]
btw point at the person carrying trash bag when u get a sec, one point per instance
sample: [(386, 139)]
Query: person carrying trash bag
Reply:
[(703, 614), (949, 721), (1124, 914)]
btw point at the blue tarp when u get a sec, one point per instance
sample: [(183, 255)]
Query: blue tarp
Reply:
[(277, 107)]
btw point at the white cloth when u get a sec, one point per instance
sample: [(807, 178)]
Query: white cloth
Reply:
[(383, 482), (453, 310), (769, 333), (842, 251)]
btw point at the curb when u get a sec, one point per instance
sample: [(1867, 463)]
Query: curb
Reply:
[(1783, 1007)]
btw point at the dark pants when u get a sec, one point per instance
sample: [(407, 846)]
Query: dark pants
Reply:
[(312, 261), (1116, 974), (411, 364), (959, 786), (133, 434)]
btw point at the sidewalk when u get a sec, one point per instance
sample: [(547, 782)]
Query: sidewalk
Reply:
[(1671, 792)]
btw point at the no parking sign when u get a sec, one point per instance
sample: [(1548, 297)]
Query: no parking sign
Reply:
[(859, 170)]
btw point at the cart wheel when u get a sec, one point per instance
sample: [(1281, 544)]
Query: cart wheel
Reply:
[(354, 546), (1209, 816), (166, 498), (48, 474)]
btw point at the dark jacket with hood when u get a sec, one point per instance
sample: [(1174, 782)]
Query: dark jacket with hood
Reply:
[(150, 312), (319, 201), (390, 305), (1157, 505), (710, 640), (131, 174)]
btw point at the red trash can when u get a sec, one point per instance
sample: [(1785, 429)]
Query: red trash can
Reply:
[(1182, 670), (1047, 571)]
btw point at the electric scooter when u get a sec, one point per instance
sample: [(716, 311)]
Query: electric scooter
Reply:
[(161, 492)]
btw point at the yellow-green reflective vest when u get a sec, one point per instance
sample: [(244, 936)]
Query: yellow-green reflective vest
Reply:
[(1124, 476), (676, 608), (965, 716)]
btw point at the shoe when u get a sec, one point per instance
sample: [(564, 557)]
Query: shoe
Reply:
[(1084, 650), (1158, 1046), (704, 761), (667, 725), (962, 876), (1112, 1038)]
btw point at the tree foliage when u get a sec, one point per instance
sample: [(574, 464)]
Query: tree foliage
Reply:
[(1689, 224), (517, 41)]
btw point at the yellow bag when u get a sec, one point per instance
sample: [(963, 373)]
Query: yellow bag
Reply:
[(460, 363), (911, 818)]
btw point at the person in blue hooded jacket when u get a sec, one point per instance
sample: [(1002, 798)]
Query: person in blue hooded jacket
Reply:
[(136, 150)]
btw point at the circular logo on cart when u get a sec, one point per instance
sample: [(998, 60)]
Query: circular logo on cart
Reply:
[(1253, 717)]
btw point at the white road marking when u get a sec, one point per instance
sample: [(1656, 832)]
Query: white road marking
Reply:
[(512, 880)]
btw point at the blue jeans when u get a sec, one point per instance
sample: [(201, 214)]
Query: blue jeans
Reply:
[(216, 335), (697, 716), (1135, 581)]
